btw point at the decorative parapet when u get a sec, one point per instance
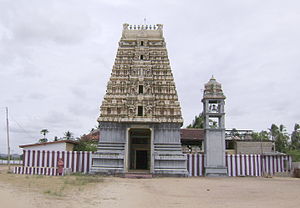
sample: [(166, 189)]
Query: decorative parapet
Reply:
[(142, 27), (142, 31)]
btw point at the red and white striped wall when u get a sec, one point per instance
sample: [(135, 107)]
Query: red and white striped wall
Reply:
[(243, 165), (36, 171), (77, 161), (12, 162), (195, 164)]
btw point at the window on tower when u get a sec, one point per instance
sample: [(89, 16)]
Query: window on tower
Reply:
[(142, 57), (142, 43), (141, 89), (140, 110)]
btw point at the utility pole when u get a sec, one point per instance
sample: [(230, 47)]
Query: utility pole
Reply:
[(7, 136)]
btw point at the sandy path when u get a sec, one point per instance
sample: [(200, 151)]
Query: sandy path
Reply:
[(203, 192), (25, 191)]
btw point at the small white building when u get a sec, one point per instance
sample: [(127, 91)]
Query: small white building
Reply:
[(62, 145)]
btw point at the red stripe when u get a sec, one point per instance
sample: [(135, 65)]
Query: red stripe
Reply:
[(38, 158), (241, 165), (231, 164), (73, 168), (188, 162), (254, 165), (53, 158), (246, 168), (273, 164), (68, 159), (193, 166), (198, 164), (24, 155), (57, 158), (250, 165), (43, 159), (236, 165), (28, 158), (82, 159), (88, 162), (48, 159), (33, 158), (203, 164), (63, 157)]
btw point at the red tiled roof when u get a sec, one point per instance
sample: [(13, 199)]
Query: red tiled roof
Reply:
[(192, 134), (185, 134), (45, 143)]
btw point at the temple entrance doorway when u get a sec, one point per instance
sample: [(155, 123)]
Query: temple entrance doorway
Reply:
[(139, 149)]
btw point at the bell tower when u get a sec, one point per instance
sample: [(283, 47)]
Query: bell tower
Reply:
[(214, 127)]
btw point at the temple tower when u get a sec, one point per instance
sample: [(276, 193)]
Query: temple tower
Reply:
[(140, 113), (214, 127)]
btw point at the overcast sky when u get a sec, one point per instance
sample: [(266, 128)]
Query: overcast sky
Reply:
[(56, 57)]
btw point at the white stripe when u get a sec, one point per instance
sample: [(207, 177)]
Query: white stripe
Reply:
[(229, 165), (75, 162), (238, 160), (256, 165), (247, 165), (190, 164), (55, 158), (35, 158), (200, 164), (233, 165), (278, 164), (252, 165), (243, 165), (26, 157)]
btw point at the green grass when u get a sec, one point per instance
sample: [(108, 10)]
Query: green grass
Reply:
[(77, 181), (81, 180)]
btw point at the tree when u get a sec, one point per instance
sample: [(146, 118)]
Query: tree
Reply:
[(198, 122), (84, 145), (260, 136), (43, 140), (296, 137), (280, 136), (68, 135), (44, 132)]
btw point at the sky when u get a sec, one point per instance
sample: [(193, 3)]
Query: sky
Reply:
[(56, 58)]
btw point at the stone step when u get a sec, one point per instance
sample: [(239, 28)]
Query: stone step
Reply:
[(138, 175)]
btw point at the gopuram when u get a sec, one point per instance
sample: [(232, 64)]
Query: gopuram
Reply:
[(140, 116)]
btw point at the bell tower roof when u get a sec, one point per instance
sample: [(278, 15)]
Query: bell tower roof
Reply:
[(213, 90)]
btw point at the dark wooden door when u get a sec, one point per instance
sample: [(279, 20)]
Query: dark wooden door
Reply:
[(141, 159)]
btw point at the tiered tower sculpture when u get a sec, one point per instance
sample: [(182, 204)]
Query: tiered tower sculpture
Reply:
[(140, 114), (214, 127)]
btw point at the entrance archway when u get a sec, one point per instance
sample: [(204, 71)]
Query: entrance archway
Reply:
[(139, 149)]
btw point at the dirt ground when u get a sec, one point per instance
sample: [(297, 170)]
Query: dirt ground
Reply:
[(87, 191)]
